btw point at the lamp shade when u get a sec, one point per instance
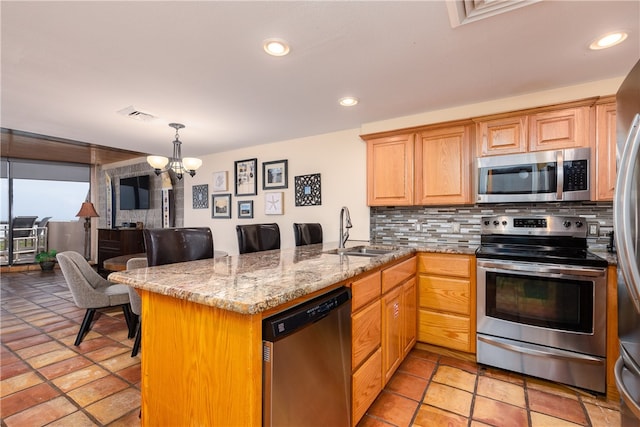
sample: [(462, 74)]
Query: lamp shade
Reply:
[(191, 163), (87, 210), (157, 162)]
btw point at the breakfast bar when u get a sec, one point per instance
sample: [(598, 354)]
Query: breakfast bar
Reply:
[(202, 326)]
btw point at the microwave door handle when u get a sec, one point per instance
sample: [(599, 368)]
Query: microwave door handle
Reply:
[(560, 169)]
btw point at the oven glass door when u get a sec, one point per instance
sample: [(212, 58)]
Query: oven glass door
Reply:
[(561, 306), (555, 303)]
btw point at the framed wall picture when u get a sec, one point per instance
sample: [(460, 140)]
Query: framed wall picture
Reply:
[(307, 190), (274, 175), (220, 181), (221, 206), (273, 202), (200, 196), (246, 181), (245, 208)]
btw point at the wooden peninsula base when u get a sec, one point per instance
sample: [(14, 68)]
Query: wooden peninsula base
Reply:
[(199, 363)]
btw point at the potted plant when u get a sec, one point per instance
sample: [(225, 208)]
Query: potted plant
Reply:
[(47, 259)]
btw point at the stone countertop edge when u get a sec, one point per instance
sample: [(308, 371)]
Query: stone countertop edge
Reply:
[(255, 282)]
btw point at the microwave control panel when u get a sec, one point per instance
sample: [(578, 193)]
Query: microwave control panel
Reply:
[(576, 175)]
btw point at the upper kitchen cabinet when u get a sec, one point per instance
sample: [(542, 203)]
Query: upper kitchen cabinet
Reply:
[(604, 150), (443, 165), (429, 165), (390, 162), (506, 135), (540, 129)]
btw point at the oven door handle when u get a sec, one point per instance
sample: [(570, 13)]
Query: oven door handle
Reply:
[(553, 353), (533, 268)]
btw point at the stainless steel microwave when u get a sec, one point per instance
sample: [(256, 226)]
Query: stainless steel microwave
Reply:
[(543, 176)]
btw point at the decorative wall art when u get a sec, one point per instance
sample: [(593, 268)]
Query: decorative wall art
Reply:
[(308, 190), (246, 181), (274, 175), (200, 196), (273, 203), (220, 181), (221, 206), (245, 209)]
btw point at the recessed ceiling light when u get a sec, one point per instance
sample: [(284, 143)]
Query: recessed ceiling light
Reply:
[(276, 47), (608, 40), (348, 101)]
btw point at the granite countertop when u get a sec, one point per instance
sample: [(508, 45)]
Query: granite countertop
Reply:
[(255, 282)]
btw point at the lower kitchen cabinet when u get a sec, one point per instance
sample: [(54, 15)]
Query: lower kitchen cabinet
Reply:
[(447, 301), (366, 385), (383, 327), (366, 352), (398, 326)]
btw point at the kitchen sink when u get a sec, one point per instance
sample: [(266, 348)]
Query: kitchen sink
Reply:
[(366, 251)]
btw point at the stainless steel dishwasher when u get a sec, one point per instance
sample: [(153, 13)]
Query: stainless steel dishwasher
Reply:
[(307, 363)]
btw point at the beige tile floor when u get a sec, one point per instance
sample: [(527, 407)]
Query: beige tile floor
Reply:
[(46, 380)]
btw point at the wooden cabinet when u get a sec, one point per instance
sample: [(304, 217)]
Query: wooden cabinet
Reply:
[(390, 161), (443, 166), (430, 165), (505, 135), (446, 301), (383, 328), (116, 242), (613, 343), (398, 332), (565, 128), (366, 359), (603, 155), (548, 128)]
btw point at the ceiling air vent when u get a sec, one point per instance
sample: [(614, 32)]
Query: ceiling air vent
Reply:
[(132, 113), (466, 11)]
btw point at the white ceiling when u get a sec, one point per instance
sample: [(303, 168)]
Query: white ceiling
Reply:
[(68, 67)]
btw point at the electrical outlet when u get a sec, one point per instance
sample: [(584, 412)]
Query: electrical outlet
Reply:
[(593, 229), (455, 227)]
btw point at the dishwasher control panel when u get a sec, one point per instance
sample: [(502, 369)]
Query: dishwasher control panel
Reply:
[(285, 323)]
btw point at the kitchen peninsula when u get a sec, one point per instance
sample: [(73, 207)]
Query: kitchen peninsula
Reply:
[(202, 326)]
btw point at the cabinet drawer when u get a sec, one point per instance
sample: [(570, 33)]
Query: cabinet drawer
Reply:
[(445, 330), (367, 384), (394, 275), (444, 294), (365, 290), (365, 333), (445, 264)]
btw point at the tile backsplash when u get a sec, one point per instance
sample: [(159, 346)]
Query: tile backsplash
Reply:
[(406, 225)]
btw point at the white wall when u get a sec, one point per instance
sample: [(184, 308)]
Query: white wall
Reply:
[(339, 158)]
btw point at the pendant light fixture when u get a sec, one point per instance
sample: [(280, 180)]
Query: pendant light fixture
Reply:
[(176, 163)]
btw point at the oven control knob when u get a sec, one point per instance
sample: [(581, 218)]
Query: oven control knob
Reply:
[(579, 224), (496, 223), (504, 223), (487, 222), (566, 223)]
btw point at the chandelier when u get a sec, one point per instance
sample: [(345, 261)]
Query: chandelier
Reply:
[(176, 163)]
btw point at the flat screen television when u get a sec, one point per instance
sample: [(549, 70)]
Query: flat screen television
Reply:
[(134, 192)]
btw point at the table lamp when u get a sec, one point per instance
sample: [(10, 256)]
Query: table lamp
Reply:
[(87, 211)]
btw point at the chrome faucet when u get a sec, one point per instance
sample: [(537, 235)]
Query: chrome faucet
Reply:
[(345, 225)]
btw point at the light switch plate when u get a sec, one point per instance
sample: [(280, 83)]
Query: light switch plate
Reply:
[(593, 229)]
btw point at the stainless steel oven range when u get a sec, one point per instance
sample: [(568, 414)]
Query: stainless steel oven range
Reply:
[(541, 300)]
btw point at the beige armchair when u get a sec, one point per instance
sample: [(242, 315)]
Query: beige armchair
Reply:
[(91, 291)]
